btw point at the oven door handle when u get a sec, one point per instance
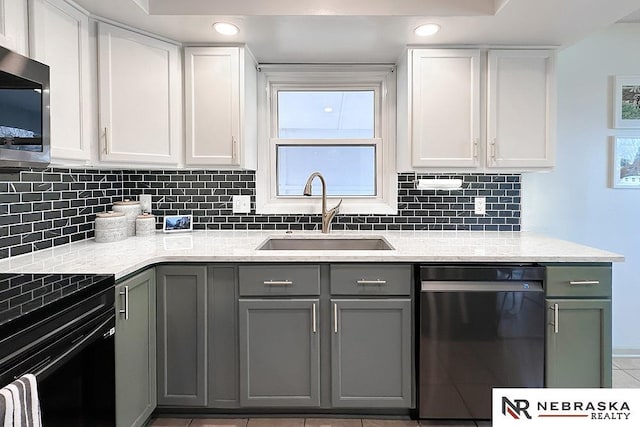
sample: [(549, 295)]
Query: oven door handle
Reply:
[(103, 330)]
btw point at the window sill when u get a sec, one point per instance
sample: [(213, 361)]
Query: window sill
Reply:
[(312, 206)]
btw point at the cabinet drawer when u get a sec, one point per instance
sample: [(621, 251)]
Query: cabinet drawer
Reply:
[(365, 279), (579, 281), (265, 280)]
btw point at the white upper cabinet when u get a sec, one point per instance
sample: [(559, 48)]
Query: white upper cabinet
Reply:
[(220, 110), (14, 25), (521, 109), (473, 109), (445, 108), (140, 98), (59, 38)]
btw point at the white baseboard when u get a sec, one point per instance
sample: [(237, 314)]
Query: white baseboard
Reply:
[(626, 352)]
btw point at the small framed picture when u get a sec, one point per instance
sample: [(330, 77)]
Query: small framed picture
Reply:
[(625, 167), (626, 100), (177, 223)]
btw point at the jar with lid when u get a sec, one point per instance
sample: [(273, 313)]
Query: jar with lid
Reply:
[(145, 224), (131, 210), (110, 227)]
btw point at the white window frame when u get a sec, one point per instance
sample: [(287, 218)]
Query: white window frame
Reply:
[(381, 79)]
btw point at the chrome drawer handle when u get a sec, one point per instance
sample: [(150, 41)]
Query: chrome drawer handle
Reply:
[(371, 282), (313, 317), (125, 294), (584, 282), (556, 318), (278, 282)]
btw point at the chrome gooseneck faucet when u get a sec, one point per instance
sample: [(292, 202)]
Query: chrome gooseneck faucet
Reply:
[(327, 215)]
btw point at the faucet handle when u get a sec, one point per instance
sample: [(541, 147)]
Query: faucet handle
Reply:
[(336, 209)]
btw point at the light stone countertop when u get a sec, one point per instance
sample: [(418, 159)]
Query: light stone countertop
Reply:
[(127, 256)]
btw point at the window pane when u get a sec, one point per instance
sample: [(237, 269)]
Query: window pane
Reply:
[(349, 170), (326, 114)]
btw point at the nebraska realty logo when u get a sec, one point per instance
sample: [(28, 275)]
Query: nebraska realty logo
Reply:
[(566, 407)]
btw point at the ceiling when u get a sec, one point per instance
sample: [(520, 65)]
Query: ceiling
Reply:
[(365, 31)]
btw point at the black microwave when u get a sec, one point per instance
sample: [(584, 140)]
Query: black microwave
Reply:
[(24, 112)]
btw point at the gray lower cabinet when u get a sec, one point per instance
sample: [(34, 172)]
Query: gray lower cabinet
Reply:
[(279, 352), (182, 321), (578, 353), (578, 335), (222, 337), (135, 349), (371, 353)]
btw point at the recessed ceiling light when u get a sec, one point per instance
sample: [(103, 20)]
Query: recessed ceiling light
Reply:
[(225, 28), (426, 30), (328, 109)]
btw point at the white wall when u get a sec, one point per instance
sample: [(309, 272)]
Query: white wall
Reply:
[(575, 201)]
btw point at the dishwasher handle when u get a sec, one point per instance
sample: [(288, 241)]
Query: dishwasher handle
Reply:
[(480, 286)]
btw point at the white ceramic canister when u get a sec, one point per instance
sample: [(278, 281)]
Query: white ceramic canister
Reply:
[(145, 202), (145, 225), (131, 210), (110, 227)]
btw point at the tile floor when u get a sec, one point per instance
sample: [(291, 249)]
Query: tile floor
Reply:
[(305, 422), (626, 374)]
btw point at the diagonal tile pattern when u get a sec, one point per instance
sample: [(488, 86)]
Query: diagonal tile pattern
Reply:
[(626, 372)]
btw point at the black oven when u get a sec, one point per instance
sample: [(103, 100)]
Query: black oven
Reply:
[(61, 329)]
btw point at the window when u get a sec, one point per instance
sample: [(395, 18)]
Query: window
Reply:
[(336, 120), (326, 114)]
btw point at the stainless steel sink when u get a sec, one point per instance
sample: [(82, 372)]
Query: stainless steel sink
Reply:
[(325, 244)]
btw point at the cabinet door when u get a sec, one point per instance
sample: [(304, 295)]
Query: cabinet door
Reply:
[(59, 38), (139, 87), (371, 353), (182, 315), (445, 118), (212, 111), (222, 334), (279, 352), (578, 350), (14, 25), (521, 109), (135, 344)]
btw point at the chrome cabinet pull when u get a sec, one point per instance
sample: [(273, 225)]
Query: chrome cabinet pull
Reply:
[(584, 282), (556, 318), (475, 149), (371, 282), (313, 316), (493, 151), (278, 282), (106, 141), (335, 318), (125, 293), (234, 145)]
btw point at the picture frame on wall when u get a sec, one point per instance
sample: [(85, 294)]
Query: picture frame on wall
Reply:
[(625, 165), (626, 100), (177, 223)]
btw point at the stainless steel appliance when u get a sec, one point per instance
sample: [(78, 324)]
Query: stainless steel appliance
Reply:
[(60, 327), (480, 327), (24, 112)]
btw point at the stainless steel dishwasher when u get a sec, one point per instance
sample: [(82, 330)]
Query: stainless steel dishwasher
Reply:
[(480, 327)]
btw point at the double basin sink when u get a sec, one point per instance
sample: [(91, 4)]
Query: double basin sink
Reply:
[(337, 243)]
